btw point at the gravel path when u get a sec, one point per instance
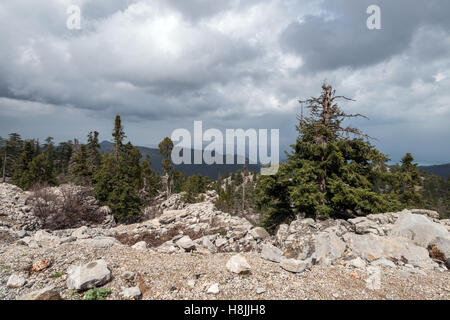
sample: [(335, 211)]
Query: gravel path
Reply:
[(189, 275)]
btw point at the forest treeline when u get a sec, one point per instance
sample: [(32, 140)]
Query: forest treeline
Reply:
[(331, 171)]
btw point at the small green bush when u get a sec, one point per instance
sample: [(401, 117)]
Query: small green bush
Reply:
[(97, 294)]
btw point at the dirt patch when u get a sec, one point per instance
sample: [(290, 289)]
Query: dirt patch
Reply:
[(7, 237)]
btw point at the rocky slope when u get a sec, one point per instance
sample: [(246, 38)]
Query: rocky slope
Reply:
[(193, 251)]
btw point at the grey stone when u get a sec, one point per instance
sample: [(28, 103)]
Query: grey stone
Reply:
[(413, 271), (21, 233), (259, 233), (214, 289), (43, 237), (16, 281), (81, 233), (373, 282), (356, 263), (293, 265), (238, 264), (186, 243), (429, 213), (206, 242), (191, 283), (328, 248), (372, 247), (418, 228), (131, 293), (383, 263), (171, 215), (47, 293), (363, 225), (221, 242), (93, 274), (141, 245), (99, 242), (271, 253)]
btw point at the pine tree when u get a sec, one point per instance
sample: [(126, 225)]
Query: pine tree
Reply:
[(79, 169), (408, 183), (9, 153), (63, 155), (41, 170), (21, 175), (118, 181), (165, 150), (193, 186), (118, 136), (93, 152), (151, 180), (331, 171)]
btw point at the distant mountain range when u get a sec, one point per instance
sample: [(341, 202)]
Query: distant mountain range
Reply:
[(211, 171), (442, 170)]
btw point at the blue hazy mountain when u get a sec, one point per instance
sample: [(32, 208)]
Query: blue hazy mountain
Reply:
[(212, 171), (442, 170)]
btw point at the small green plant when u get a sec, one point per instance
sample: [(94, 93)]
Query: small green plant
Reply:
[(97, 294), (58, 274)]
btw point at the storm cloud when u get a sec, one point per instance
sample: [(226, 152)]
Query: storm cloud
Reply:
[(162, 64)]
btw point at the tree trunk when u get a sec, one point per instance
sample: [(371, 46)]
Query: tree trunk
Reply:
[(243, 184), (4, 165)]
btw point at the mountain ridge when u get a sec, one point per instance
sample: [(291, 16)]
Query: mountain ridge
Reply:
[(211, 171)]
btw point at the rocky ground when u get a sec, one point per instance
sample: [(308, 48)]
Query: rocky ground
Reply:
[(193, 251)]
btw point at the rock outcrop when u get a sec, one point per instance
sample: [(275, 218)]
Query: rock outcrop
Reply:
[(93, 274), (410, 242)]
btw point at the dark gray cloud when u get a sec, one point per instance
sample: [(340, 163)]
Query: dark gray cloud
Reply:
[(162, 64), (339, 36)]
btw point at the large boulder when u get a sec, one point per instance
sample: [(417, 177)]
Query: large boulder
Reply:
[(171, 215), (42, 237), (93, 274), (186, 243), (364, 225), (328, 248), (417, 228), (372, 247), (271, 253), (207, 243)]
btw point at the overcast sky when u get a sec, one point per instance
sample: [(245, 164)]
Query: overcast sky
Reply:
[(161, 64)]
